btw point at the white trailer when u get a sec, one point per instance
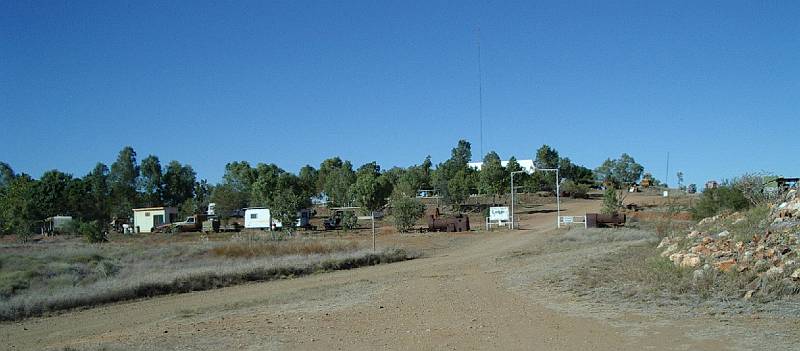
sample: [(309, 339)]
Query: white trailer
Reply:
[(260, 218)]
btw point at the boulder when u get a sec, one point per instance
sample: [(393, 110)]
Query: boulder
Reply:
[(724, 234), (697, 249), (690, 261), (796, 274), (664, 242), (749, 294), (698, 274), (670, 250), (676, 258), (726, 265)]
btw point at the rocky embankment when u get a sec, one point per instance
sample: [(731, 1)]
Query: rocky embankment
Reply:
[(722, 243)]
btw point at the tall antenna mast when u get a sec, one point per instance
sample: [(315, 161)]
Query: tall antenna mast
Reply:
[(480, 92)]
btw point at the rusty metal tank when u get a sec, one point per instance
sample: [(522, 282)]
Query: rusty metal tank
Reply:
[(598, 220)]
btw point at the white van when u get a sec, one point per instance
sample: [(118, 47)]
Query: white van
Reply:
[(260, 218)]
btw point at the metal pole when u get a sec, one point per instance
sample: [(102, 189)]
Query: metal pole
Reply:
[(558, 200), (373, 231), (513, 191), (512, 200), (558, 194)]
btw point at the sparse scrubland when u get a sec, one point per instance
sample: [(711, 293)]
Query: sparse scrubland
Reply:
[(741, 259), (36, 279)]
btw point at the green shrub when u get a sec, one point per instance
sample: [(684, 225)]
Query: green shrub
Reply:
[(92, 231), (406, 211), (714, 201), (610, 201), (349, 220), (575, 190)]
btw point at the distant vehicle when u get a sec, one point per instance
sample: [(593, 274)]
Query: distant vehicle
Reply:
[(334, 221), (691, 189), (336, 217), (119, 224), (304, 219), (260, 218), (193, 223)]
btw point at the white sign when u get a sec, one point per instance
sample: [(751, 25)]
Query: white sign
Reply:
[(499, 214), (568, 220)]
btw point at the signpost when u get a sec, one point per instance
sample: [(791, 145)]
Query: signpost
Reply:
[(569, 220), (371, 217), (500, 215)]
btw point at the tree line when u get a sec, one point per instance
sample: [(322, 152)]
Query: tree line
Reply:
[(109, 192)]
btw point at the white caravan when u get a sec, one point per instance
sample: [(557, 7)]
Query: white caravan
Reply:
[(260, 218)]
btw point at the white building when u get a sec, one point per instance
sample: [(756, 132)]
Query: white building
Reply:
[(146, 219), (526, 165)]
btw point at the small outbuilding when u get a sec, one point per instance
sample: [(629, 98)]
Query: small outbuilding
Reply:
[(56, 225), (146, 219)]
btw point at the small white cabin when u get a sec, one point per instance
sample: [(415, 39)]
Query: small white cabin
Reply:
[(260, 218), (146, 219)]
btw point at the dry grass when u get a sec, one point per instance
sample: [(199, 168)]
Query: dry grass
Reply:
[(602, 235), (42, 279), (638, 274), (282, 248)]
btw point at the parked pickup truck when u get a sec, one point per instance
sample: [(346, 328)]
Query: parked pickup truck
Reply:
[(193, 223)]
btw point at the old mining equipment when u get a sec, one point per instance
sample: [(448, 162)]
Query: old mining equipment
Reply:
[(597, 220), (437, 223)]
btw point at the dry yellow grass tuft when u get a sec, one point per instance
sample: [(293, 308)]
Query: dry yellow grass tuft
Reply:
[(282, 248)]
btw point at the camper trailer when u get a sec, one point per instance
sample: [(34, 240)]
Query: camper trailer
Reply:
[(260, 218)]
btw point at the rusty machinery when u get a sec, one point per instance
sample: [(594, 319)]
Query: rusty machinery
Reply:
[(597, 220), (437, 223)]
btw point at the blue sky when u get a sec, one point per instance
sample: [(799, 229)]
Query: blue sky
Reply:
[(715, 84)]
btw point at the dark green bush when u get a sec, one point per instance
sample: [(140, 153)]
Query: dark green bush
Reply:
[(349, 220), (92, 231), (575, 190), (406, 211), (723, 198)]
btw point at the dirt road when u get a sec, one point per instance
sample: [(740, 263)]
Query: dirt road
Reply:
[(485, 293)]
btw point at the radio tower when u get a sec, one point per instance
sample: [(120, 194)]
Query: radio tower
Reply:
[(480, 93)]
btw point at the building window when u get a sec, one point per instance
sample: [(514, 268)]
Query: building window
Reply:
[(254, 216), (147, 214)]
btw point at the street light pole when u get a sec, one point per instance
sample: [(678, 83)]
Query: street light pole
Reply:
[(513, 217)]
